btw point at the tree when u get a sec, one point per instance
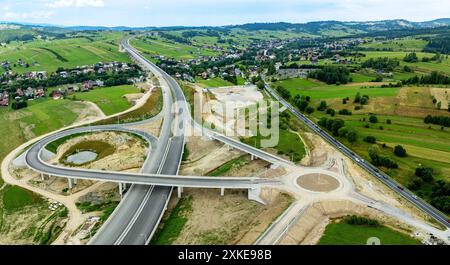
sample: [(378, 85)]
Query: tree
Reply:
[(342, 132), (425, 173), (411, 58), (373, 119), (260, 85), (302, 105), (364, 101), (357, 98), (332, 75), (399, 151), (345, 112), (352, 136), (388, 121), (336, 125), (370, 139), (309, 110), (322, 106)]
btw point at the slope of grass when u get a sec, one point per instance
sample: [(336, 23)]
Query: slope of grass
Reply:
[(109, 99), (44, 55), (170, 49), (172, 226), (346, 234), (15, 197), (151, 108), (40, 117), (213, 82), (296, 83), (220, 171), (289, 144)]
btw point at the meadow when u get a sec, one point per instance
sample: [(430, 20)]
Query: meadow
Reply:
[(110, 100), (346, 234), (48, 55), (406, 44), (218, 82), (170, 49)]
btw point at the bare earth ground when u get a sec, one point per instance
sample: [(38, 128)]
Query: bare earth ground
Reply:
[(318, 182), (152, 128), (231, 219), (205, 156), (130, 151), (441, 95)]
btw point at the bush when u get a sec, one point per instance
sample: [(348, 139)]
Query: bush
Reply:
[(19, 105), (380, 160), (373, 119), (352, 136), (357, 220), (425, 173), (309, 110), (388, 121), (370, 139), (399, 151), (322, 106), (342, 132), (345, 112)]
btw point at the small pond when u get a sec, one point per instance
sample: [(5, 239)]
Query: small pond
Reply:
[(81, 157)]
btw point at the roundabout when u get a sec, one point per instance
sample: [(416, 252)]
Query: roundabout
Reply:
[(318, 182)]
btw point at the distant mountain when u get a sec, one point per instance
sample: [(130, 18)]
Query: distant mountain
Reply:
[(318, 28), (345, 28)]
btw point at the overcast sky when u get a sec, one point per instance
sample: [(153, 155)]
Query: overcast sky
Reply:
[(214, 12)]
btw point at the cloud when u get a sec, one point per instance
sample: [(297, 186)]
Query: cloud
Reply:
[(28, 15), (76, 3)]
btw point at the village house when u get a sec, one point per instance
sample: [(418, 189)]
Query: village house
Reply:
[(19, 93), (4, 99), (29, 92), (56, 94)]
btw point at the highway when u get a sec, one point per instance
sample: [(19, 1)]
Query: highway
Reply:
[(135, 219), (424, 206)]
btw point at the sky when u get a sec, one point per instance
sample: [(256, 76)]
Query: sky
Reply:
[(137, 13)]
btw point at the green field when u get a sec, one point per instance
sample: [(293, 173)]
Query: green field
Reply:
[(289, 144), (15, 198), (40, 117), (218, 82), (420, 66), (407, 44), (346, 234), (110, 100), (297, 83), (44, 55), (170, 49), (149, 109), (305, 87)]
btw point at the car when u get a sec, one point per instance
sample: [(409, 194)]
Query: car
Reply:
[(400, 187), (414, 197)]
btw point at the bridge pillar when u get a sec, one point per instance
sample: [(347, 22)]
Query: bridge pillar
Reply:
[(229, 148), (75, 181), (180, 190), (252, 157), (254, 195), (222, 191), (70, 183), (42, 177), (120, 190)]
